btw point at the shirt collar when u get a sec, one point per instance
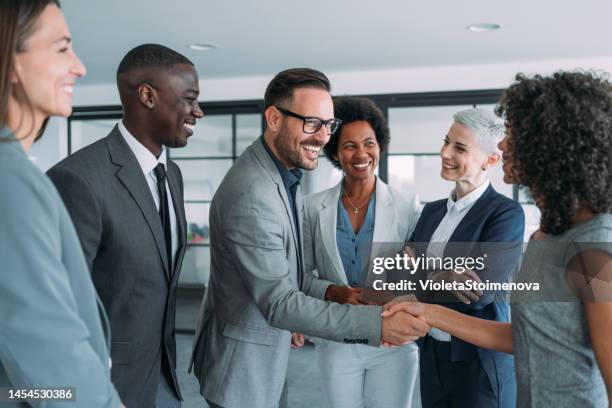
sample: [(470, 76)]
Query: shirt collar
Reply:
[(146, 159), (467, 200), (289, 177)]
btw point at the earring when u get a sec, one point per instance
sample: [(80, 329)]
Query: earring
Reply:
[(484, 168)]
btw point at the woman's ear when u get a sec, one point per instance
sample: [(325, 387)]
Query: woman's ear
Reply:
[(14, 75), (492, 160)]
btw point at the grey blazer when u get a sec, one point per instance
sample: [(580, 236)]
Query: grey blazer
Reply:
[(52, 330), (254, 301), (395, 217), (120, 230)]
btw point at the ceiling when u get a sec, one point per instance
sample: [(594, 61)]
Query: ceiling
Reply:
[(262, 37)]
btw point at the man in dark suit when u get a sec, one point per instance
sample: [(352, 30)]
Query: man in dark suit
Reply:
[(126, 201)]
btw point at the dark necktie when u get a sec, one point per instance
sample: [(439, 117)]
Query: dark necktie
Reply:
[(164, 211)]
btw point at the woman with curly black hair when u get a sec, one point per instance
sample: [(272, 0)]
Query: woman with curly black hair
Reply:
[(559, 145)]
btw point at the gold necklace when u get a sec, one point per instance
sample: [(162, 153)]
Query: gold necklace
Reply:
[(355, 208)]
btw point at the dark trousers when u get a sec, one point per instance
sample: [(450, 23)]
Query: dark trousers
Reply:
[(461, 384)]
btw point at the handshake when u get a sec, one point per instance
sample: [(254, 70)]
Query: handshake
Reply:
[(404, 321)]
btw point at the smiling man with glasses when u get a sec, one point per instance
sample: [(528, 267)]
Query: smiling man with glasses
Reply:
[(255, 297), (312, 124)]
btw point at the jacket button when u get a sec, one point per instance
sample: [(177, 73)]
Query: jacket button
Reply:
[(346, 341), (365, 341), (353, 341)]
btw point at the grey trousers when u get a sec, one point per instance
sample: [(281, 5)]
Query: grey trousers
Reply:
[(213, 405), (166, 398)]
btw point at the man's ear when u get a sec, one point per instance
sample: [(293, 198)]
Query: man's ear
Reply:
[(147, 95), (274, 118)]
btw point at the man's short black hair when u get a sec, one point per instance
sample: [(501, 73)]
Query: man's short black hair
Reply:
[(151, 55), (280, 89), (352, 109)]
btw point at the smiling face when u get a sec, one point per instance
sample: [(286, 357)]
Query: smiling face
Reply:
[(292, 146), (48, 67), (358, 151), (462, 158), (176, 108), (508, 164)]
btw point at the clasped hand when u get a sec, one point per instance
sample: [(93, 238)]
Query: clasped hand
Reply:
[(403, 321)]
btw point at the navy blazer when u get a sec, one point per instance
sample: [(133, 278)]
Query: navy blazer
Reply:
[(494, 218)]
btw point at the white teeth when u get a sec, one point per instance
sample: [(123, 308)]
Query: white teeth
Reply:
[(448, 166), (312, 149), (361, 165), (68, 89), (189, 126)]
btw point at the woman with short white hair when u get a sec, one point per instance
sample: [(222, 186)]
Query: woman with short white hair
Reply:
[(455, 373)]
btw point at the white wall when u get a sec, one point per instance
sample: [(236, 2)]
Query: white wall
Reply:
[(53, 146)]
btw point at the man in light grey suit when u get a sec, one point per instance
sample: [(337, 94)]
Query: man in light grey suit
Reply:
[(255, 295)]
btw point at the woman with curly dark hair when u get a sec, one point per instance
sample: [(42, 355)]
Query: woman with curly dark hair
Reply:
[(559, 145)]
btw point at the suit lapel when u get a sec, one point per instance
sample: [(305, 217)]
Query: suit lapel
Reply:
[(435, 220), (264, 158), (179, 209), (384, 216), (130, 175), (299, 202), (475, 211), (328, 214)]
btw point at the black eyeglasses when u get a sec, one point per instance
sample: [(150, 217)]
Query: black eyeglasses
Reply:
[(311, 124)]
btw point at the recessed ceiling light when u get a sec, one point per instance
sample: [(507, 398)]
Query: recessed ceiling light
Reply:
[(483, 27), (202, 47)]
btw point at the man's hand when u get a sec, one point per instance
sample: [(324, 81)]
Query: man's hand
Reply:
[(416, 309), (345, 294), (297, 340), (403, 298), (402, 328), (466, 296)]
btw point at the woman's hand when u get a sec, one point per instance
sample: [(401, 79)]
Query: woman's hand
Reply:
[(345, 295), (297, 340), (406, 304)]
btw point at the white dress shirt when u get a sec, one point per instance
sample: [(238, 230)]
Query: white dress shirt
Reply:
[(455, 211), (148, 162)]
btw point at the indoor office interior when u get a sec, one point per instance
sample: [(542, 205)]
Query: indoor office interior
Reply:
[(419, 62)]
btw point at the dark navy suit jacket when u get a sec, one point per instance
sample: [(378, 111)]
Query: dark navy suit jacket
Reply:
[(495, 225)]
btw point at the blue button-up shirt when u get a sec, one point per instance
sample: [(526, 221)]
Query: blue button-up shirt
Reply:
[(355, 248)]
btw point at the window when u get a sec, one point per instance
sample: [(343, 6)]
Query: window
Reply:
[(418, 124), (217, 141)]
